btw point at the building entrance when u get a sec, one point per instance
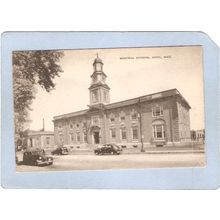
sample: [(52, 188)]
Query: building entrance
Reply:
[(96, 137)]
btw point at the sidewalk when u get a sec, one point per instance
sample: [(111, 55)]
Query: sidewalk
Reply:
[(165, 150), (150, 150)]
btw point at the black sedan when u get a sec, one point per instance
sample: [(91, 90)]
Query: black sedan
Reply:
[(36, 158), (60, 151), (108, 149)]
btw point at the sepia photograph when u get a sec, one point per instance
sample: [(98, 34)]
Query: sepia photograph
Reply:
[(116, 108), (110, 111)]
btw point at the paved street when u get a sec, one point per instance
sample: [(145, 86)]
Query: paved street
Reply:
[(93, 162)]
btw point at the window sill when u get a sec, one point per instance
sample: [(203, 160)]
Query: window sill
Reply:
[(134, 140), (123, 140), (159, 140)]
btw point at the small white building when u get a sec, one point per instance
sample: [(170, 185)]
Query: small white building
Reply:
[(200, 135), (40, 139)]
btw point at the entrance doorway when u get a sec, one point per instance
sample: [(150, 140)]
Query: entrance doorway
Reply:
[(96, 137)]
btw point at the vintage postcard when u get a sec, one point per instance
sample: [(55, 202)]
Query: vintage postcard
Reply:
[(109, 108), (84, 113)]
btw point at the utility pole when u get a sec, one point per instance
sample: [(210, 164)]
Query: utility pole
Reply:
[(140, 122)]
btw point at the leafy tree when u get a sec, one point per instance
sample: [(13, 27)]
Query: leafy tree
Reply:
[(31, 68)]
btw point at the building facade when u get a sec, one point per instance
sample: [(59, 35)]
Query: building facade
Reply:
[(198, 135), (159, 119), (40, 139)]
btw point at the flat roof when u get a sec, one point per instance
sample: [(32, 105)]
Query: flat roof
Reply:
[(71, 114), (32, 133), (149, 97)]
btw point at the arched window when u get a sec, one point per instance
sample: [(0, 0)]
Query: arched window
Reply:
[(60, 138), (158, 129), (123, 133), (94, 79), (78, 137), (95, 96), (71, 137), (113, 133), (105, 96), (103, 78), (85, 137)]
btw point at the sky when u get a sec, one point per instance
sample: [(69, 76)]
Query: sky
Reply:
[(131, 72)]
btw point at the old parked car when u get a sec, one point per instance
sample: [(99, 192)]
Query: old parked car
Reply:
[(108, 149), (60, 151), (36, 158)]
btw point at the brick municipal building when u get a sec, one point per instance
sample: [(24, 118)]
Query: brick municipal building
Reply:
[(159, 119)]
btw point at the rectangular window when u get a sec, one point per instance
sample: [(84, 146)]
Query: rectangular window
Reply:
[(157, 111), (123, 134), (122, 118), (85, 137), (78, 136), (135, 133), (71, 137), (47, 140), (112, 120), (134, 116), (113, 133), (95, 120), (61, 138), (158, 131)]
